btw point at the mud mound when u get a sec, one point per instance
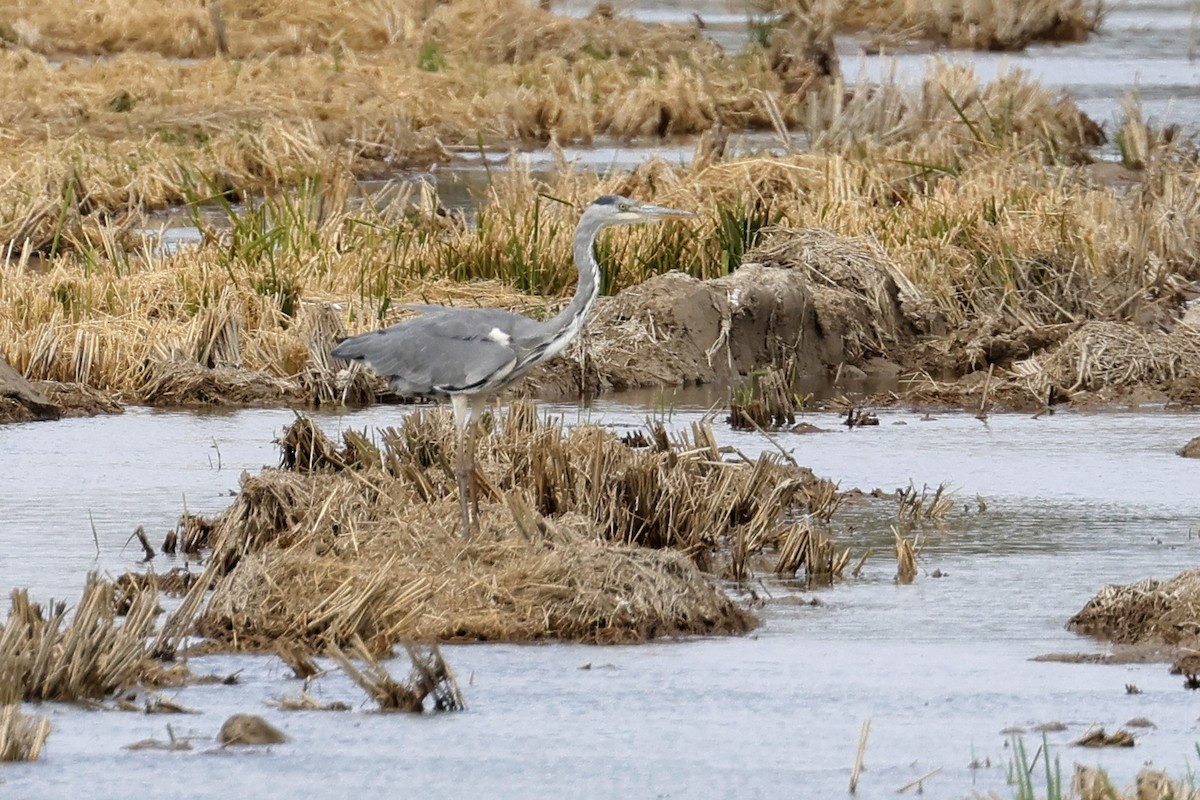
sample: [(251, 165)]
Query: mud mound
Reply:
[(1147, 612), (667, 331), (1110, 355), (583, 537), (77, 399), (856, 289), (807, 295)]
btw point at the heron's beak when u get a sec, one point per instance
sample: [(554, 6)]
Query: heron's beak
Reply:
[(649, 211)]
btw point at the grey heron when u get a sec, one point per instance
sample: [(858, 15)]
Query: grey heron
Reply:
[(469, 354)]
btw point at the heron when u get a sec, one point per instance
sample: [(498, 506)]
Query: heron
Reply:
[(469, 354)]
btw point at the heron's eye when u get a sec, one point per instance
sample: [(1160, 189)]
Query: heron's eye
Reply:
[(623, 206)]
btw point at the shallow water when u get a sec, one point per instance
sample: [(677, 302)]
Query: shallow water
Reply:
[(941, 667)]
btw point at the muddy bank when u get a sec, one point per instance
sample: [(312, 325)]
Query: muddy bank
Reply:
[(26, 401), (584, 537)]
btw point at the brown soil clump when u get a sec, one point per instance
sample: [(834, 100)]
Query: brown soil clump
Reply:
[(1149, 612), (20, 400), (582, 537), (249, 729), (857, 292), (1191, 449)]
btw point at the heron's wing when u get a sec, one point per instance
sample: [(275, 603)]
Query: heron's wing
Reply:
[(433, 354), (516, 326)]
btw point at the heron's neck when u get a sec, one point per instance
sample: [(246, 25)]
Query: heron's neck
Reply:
[(569, 321)]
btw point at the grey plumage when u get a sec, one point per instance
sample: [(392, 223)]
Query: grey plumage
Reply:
[(467, 354)]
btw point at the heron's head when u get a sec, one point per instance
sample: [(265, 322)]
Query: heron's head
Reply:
[(615, 209)]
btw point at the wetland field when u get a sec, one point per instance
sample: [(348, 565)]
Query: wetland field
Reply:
[(868, 480)]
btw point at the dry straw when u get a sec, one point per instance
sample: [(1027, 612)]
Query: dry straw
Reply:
[(84, 655), (974, 24), (906, 556), (21, 736), (583, 537), (429, 676), (803, 546), (1109, 355), (1149, 611)]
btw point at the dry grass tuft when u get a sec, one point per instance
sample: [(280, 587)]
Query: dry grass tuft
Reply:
[(47, 657), (803, 546), (360, 542), (21, 736), (173, 583), (186, 383), (767, 401), (1111, 355), (975, 24), (430, 676), (906, 556), (913, 506), (1149, 611)]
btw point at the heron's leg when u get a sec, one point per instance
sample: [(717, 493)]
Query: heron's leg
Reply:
[(477, 405), (462, 419)]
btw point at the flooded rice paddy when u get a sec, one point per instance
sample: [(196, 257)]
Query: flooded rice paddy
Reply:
[(940, 667)]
